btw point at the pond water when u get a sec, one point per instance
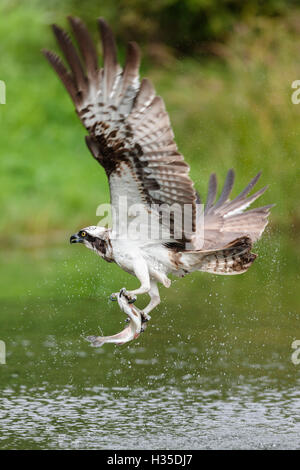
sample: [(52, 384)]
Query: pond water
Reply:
[(212, 371)]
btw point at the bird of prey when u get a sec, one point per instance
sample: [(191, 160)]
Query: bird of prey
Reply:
[(130, 135)]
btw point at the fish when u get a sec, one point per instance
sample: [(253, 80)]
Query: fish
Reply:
[(136, 325)]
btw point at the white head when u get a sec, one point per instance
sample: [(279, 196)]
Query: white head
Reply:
[(95, 238)]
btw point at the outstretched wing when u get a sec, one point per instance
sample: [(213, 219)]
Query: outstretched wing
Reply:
[(129, 129), (225, 220)]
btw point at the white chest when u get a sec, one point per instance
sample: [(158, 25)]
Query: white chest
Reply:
[(124, 253), (127, 252)]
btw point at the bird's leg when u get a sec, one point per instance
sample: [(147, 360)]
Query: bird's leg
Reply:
[(154, 300), (141, 271)]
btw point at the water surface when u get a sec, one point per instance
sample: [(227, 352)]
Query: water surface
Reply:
[(212, 371)]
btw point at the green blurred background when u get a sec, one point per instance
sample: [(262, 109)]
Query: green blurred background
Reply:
[(225, 71)]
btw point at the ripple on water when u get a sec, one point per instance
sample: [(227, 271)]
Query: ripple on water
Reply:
[(164, 418)]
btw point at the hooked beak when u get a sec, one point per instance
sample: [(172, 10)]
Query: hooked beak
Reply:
[(75, 239)]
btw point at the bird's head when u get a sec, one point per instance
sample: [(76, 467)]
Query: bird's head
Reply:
[(95, 238)]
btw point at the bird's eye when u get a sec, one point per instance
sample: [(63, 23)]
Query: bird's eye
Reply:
[(83, 234)]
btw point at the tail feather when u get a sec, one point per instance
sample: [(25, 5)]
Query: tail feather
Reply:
[(236, 258)]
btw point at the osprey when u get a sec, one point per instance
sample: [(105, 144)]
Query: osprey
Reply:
[(130, 135)]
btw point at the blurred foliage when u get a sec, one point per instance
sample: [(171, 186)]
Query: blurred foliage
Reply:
[(183, 25)]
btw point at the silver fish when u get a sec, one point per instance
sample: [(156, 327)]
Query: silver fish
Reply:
[(132, 331)]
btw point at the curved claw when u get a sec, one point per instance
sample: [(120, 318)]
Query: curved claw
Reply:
[(129, 298), (145, 317), (123, 302)]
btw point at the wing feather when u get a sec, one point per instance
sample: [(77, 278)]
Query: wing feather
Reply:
[(130, 133), (111, 69), (86, 46), (71, 57), (65, 76), (226, 189), (212, 192), (226, 220)]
